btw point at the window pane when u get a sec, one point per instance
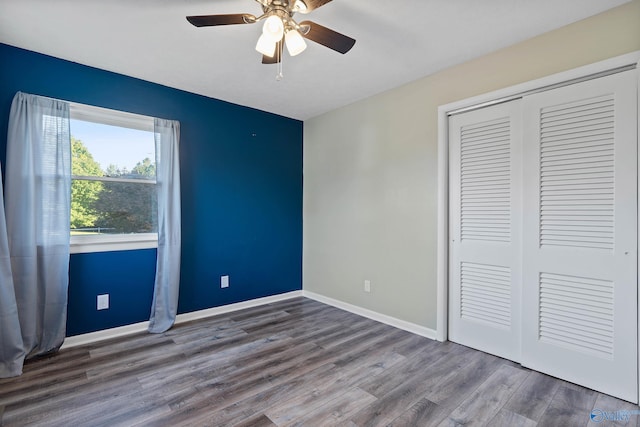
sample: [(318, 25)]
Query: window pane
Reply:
[(119, 207), (104, 150), (103, 207)]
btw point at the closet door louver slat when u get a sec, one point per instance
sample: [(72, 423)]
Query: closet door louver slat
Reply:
[(570, 309), (485, 177), (486, 294), (585, 131)]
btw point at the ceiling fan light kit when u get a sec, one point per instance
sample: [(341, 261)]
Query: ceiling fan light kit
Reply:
[(281, 29), (300, 6), (295, 43), (266, 46), (273, 28)]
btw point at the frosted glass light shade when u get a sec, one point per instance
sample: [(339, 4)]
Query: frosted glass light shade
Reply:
[(273, 28), (300, 6), (295, 43), (265, 46)]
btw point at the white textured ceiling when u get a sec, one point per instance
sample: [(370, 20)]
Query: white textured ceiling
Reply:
[(397, 41)]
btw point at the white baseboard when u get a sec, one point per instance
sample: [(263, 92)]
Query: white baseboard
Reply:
[(392, 321), (92, 337), (105, 334), (180, 318)]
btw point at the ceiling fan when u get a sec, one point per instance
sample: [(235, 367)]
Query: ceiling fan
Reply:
[(280, 29)]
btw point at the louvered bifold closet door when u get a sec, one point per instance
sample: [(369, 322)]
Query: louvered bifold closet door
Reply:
[(580, 234), (485, 229)]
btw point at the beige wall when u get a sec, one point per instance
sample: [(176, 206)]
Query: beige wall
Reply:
[(370, 169)]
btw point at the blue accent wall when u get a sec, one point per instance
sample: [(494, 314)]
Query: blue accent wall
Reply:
[(241, 178)]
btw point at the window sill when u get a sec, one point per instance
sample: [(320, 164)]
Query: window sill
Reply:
[(115, 242)]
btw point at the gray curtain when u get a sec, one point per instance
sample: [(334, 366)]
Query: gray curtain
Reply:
[(165, 296), (38, 200), (11, 348)]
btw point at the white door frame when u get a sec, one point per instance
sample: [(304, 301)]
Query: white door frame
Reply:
[(630, 59)]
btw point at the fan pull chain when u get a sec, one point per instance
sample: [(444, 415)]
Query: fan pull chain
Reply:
[(280, 56)]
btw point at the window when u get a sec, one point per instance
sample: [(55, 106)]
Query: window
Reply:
[(113, 182)]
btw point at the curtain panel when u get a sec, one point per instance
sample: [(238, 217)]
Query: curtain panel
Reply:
[(165, 295), (11, 346), (38, 199)]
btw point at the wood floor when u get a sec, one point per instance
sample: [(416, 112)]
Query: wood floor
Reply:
[(292, 363)]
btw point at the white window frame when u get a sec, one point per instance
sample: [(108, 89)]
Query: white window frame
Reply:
[(112, 242)]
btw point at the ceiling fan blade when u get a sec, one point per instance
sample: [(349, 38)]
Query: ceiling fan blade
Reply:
[(313, 4), (213, 20), (275, 58), (270, 59), (327, 37)]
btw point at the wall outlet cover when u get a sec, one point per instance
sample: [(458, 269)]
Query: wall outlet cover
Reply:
[(224, 281), (103, 302)]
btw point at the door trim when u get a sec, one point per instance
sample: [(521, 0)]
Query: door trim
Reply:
[(623, 62)]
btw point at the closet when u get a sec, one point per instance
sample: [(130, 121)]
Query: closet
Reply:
[(543, 217)]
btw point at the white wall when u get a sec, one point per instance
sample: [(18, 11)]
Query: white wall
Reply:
[(370, 169)]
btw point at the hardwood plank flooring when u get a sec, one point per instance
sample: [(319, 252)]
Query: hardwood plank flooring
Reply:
[(292, 363)]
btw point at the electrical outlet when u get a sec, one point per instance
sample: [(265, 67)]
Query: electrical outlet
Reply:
[(367, 285), (224, 281), (103, 302)]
